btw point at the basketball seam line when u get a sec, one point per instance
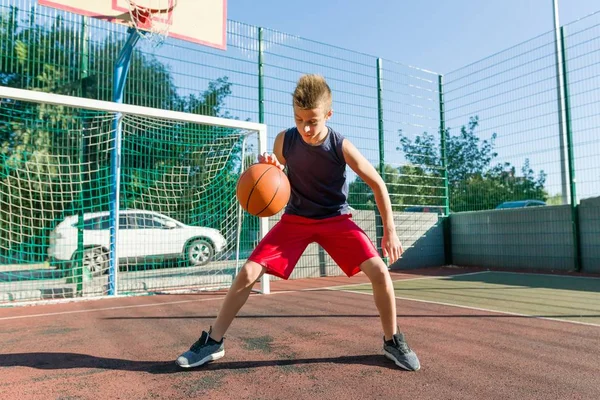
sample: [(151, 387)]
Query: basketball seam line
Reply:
[(252, 190), (274, 194)]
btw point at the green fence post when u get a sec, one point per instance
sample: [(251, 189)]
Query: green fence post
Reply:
[(82, 159), (261, 72), (446, 226), (322, 262), (84, 56), (571, 160), (77, 269), (77, 272), (378, 220)]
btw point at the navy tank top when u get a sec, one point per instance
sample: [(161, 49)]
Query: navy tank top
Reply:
[(317, 176)]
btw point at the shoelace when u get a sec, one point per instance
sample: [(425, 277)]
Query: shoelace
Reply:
[(199, 343), (402, 346)]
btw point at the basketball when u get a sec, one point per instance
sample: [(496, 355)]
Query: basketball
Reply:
[(263, 190)]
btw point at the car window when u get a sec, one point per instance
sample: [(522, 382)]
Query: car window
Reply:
[(161, 221), (132, 222), (92, 224), (148, 221), (127, 222), (104, 223)]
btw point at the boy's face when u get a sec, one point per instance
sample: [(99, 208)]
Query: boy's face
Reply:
[(311, 123)]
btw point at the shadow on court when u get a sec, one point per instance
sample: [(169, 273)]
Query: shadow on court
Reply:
[(306, 342), (65, 361)]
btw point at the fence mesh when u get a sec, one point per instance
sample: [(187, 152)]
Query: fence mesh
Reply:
[(177, 224), (582, 43), (505, 135)]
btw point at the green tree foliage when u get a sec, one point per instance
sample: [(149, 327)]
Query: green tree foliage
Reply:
[(149, 82), (187, 171), (475, 183), (36, 141), (55, 160), (407, 185), (360, 196)]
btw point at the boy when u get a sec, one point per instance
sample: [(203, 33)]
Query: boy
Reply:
[(316, 157)]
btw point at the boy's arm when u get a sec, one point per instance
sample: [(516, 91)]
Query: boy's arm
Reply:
[(390, 243), (277, 157)]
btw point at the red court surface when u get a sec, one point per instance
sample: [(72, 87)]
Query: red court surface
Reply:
[(296, 343)]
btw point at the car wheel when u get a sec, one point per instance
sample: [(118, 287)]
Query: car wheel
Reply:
[(95, 260), (199, 252)]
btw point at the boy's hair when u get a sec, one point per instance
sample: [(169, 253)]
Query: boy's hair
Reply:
[(311, 91)]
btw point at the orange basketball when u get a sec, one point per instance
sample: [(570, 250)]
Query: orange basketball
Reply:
[(263, 190)]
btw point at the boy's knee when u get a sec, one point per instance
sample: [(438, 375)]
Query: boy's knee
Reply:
[(250, 273), (376, 270)]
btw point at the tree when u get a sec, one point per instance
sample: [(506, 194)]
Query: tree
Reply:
[(407, 186), (499, 184), (149, 82), (185, 170), (474, 183), (36, 141), (51, 155)]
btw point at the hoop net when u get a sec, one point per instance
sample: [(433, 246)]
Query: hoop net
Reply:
[(152, 18)]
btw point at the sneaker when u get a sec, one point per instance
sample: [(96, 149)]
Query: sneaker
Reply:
[(204, 350), (398, 351)]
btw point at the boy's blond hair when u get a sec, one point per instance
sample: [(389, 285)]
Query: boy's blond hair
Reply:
[(312, 91)]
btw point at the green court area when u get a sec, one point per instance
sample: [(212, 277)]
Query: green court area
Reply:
[(549, 296)]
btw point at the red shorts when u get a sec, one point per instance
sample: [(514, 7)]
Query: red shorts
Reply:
[(281, 248)]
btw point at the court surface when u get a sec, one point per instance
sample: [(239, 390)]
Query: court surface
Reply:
[(479, 335)]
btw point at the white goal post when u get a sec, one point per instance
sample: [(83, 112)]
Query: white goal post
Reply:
[(163, 120)]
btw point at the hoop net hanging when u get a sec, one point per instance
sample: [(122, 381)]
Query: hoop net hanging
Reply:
[(152, 18)]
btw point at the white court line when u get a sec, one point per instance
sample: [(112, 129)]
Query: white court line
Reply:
[(282, 292), (482, 309), (108, 308), (126, 307), (68, 301)]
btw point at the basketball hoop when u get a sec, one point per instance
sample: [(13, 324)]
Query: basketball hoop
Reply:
[(152, 18)]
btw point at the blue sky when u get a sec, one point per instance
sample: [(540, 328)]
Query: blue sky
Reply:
[(440, 35)]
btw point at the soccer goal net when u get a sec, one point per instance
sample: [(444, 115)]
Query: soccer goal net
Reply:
[(99, 198)]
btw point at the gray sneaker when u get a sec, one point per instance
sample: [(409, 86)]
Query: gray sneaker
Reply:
[(204, 350), (398, 351)]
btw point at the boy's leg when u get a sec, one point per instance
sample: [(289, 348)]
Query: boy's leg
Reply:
[(394, 345), (383, 294), (210, 345), (236, 297), (353, 251), (276, 254)]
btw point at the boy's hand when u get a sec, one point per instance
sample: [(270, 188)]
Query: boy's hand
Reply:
[(391, 246), (269, 159)]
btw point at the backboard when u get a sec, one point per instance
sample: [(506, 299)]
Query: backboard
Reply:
[(197, 21)]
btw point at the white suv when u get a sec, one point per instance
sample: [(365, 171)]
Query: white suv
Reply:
[(142, 234)]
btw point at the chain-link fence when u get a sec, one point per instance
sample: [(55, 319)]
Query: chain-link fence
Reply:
[(495, 133)]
